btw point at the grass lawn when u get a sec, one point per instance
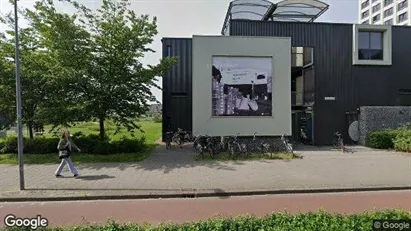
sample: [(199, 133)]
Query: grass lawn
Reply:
[(152, 132), (275, 156)]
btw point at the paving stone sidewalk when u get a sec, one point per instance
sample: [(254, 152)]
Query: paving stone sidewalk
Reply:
[(175, 171)]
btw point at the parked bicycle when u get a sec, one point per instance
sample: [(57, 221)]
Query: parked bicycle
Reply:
[(303, 136), (168, 138), (288, 146), (213, 147), (236, 148), (259, 146), (180, 137), (200, 144), (338, 142), (205, 143)]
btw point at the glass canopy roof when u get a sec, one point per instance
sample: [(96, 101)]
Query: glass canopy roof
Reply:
[(264, 10)]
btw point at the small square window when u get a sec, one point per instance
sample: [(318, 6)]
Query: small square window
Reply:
[(365, 4), (376, 8), (402, 5), (376, 18), (389, 12), (372, 44), (402, 17), (365, 14), (388, 2)]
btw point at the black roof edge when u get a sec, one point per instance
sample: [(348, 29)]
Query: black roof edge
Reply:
[(180, 38)]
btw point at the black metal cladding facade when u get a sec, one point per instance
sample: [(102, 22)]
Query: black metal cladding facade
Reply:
[(177, 85), (335, 75)]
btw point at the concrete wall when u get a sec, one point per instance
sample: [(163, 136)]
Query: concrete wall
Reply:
[(378, 118), (204, 48)]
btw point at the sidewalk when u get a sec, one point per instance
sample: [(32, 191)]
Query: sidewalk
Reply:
[(174, 173)]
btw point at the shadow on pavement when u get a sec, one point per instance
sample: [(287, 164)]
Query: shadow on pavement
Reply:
[(94, 177), (167, 161)]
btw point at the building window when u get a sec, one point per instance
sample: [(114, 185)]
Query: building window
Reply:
[(372, 45), (374, 1), (389, 12), (376, 8), (388, 22), (402, 17), (365, 4), (388, 2), (376, 18), (365, 22), (365, 14), (402, 5)]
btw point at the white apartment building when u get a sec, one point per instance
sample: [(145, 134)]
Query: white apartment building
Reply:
[(385, 12)]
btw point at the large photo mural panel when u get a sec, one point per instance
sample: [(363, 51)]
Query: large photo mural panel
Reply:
[(241, 86)]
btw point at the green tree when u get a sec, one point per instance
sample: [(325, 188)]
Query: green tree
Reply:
[(100, 53), (35, 65), (7, 109)]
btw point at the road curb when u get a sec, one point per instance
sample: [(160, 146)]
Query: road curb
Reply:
[(195, 194)]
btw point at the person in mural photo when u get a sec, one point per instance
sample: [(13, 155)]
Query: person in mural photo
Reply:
[(244, 97), (216, 74)]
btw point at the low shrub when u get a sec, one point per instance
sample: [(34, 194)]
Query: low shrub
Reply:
[(402, 142), (318, 221), (383, 139), (157, 119), (90, 144)]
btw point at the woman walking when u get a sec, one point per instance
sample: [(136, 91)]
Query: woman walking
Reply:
[(65, 148)]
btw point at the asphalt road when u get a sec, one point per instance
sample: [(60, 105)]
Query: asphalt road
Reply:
[(182, 210)]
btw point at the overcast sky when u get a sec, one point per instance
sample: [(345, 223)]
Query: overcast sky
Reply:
[(183, 18)]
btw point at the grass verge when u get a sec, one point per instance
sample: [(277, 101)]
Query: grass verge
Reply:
[(319, 221), (275, 156), (152, 130), (79, 158)]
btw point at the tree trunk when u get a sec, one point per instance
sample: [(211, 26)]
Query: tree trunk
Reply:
[(102, 131), (30, 127)]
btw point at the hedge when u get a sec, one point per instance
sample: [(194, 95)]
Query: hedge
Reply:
[(383, 139), (398, 139), (403, 141), (319, 221), (90, 144)]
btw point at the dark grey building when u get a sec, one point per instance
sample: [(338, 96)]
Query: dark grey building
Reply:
[(336, 68)]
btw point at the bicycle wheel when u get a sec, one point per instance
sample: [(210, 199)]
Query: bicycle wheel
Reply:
[(244, 150), (232, 150), (213, 152), (341, 145), (199, 150), (265, 149), (290, 148), (336, 143), (197, 147)]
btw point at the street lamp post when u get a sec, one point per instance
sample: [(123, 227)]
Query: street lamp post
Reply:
[(18, 98)]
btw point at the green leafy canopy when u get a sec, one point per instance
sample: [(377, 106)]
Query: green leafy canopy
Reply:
[(88, 63), (100, 52)]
